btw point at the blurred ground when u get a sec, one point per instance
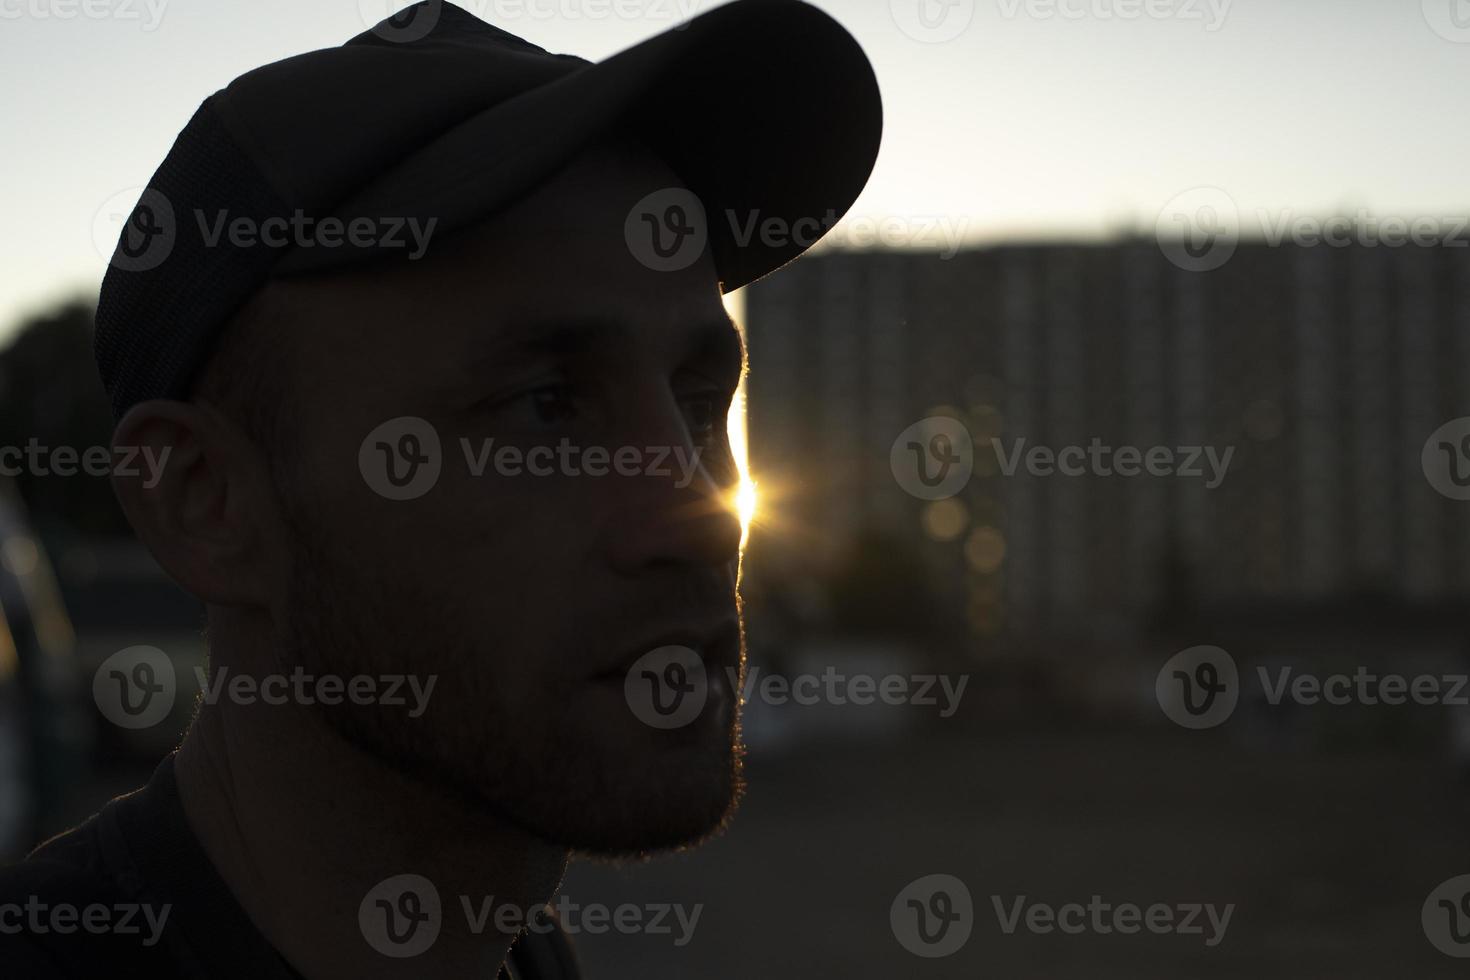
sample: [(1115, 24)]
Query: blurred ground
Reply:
[(1328, 860)]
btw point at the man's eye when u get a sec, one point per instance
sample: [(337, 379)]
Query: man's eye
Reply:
[(702, 415), (553, 403)]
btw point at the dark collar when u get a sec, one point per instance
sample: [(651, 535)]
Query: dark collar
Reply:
[(156, 857)]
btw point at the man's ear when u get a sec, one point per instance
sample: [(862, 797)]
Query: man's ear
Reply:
[(198, 493)]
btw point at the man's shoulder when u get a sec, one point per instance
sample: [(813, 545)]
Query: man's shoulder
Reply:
[(71, 856), (64, 913)]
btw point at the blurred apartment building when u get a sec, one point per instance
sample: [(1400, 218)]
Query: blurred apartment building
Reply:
[(1324, 369)]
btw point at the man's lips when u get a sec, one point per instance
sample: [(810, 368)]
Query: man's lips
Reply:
[(718, 646)]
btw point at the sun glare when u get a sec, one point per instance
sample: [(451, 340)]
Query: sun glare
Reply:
[(744, 495)]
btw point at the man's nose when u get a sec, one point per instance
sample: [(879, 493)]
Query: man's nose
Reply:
[(680, 508)]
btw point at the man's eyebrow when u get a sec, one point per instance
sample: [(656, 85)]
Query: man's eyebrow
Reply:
[(716, 338)]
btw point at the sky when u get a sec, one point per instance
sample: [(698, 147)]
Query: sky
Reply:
[(1004, 119)]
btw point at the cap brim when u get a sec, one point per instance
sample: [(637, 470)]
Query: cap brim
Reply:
[(766, 109)]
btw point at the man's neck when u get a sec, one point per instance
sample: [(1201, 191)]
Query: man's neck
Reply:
[(302, 824)]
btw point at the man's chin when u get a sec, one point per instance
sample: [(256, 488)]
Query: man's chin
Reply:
[(609, 785), (671, 801), (605, 798), (600, 784), (677, 825)]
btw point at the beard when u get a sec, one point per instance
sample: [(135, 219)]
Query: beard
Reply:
[(547, 750)]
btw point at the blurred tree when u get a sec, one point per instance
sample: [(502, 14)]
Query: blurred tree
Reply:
[(50, 393)]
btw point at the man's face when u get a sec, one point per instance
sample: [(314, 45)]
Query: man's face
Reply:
[(527, 596)]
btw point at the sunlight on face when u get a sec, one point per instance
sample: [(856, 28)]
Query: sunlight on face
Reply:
[(743, 497)]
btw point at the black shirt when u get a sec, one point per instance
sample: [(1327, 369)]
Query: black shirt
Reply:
[(131, 893)]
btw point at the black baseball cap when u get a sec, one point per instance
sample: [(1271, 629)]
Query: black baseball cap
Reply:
[(766, 109)]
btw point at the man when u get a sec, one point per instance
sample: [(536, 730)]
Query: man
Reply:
[(430, 328)]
